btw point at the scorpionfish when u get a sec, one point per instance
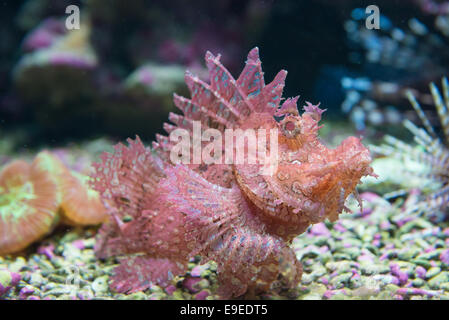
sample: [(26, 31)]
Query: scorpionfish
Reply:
[(161, 214)]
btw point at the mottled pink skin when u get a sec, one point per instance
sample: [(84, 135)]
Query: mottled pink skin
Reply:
[(229, 213)]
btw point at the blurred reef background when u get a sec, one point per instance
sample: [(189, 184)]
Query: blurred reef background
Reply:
[(116, 75)]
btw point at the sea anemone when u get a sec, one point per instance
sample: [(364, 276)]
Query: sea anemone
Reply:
[(28, 204), (431, 153), (80, 204)]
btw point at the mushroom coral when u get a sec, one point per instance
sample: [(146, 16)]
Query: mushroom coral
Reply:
[(28, 204), (35, 197), (79, 204)]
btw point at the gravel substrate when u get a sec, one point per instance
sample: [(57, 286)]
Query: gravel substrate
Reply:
[(377, 254)]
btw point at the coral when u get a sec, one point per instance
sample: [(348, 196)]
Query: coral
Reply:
[(241, 215), (35, 197), (92, 75), (156, 80), (61, 49), (55, 81), (79, 205), (431, 153), (28, 204), (44, 35), (52, 50)]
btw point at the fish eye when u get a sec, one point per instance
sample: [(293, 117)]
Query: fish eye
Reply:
[(290, 127)]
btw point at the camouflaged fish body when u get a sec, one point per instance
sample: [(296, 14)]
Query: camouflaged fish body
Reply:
[(163, 214)]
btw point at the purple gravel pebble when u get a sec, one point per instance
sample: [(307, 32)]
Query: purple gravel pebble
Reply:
[(190, 284), (446, 232), (25, 292), (370, 196), (328, 294), (79, 244), (396, 271), (420, 272), (340, 228), (324, 280), (48, 251), (415, 291), (444, 257), (320, 229), (202, 295), (170, 289)]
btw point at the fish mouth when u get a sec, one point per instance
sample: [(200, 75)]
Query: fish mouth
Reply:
[(336, 180)]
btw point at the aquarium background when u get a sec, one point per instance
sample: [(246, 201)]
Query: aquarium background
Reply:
[(78, 93), (306, 38)]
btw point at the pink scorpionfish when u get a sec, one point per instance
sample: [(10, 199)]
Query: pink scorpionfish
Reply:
[(237, 214)]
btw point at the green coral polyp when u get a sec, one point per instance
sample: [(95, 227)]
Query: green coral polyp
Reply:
[(28, 205), (12, 201)]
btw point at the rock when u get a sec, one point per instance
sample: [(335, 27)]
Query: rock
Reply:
[(17, 265), (202, 295), (432, 272), (438, 280), (37, 280), (432, 255), (371, 269), (444, 286), (341, 280), (423, 263), (444, 257), (408, 253), (8, 280), (136, 296)]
